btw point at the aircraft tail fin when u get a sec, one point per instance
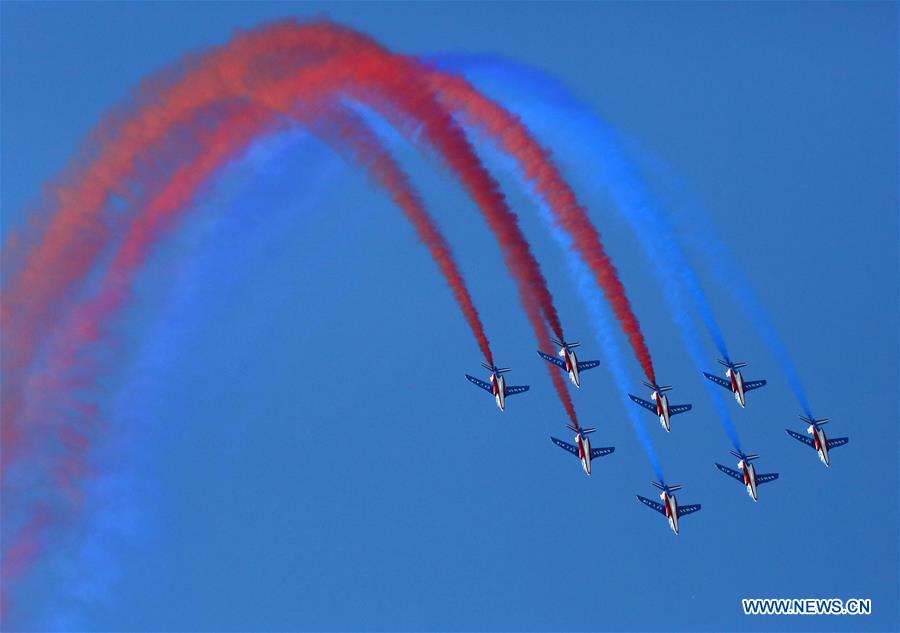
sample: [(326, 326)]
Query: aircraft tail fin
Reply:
[(583, 431), (749, 457), (674, 488), (727, 363), (655, 387), (564, 344), (814, 421), (499, 370)]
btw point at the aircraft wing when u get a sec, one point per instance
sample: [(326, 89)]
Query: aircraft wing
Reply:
[(806, 440), (763, 479), (652, 504), (838, 441), (556, 361), (584, 365), (475, 381), (753, 384), (685, 510), (600, 452), (679, 408), (720, 381), (511, 391), (732, 473), (565, 446), (647, 405)]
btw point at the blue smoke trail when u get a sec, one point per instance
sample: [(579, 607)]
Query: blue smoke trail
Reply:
[(594, 147), (733, 279), (231, 237)]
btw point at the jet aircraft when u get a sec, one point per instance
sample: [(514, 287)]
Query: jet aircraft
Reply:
[(660, 405), (669, 506), (747, 475), (497, 386), (569, 362), (735, 382), (818, 441), (582, 448)]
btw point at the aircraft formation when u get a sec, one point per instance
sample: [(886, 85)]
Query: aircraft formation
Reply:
[(567, 361)]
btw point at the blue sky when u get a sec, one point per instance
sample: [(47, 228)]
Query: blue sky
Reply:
[(294, 446)]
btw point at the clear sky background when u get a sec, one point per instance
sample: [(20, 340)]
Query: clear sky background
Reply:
[(293, 443)]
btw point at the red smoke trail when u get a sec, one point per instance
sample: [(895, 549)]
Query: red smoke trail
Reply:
[(86, 324), (66, 448), (317, 41), (343, 129), (25, 328), (75, 236), (380, 71), (392, 85), (358, 75), (353, 64), (514, 138), (17, 558)]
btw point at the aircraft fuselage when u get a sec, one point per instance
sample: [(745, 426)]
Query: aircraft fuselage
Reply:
[(737, 385), (571, 365), (584, 452), (749, 478), (498, 384), (671, 506), (821, 443), (662, 408)]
